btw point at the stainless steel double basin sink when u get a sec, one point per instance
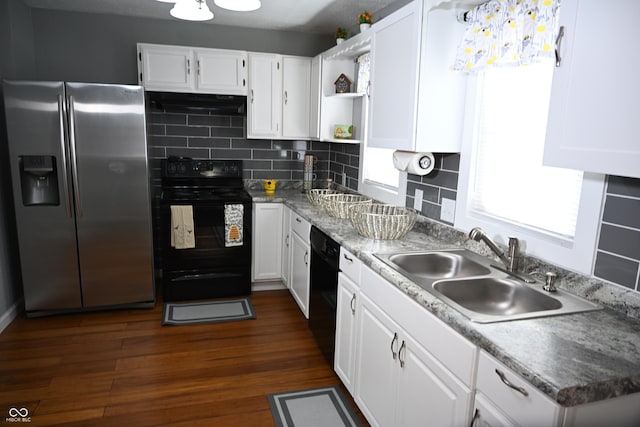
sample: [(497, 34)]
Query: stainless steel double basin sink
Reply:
[(470, 284)]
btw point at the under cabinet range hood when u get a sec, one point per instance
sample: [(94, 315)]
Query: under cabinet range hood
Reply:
[(227, 105)]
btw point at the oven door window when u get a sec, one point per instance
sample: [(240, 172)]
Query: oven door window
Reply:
[(210, 250)]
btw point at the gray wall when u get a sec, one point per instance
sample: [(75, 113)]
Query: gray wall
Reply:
[(102, 48), (17, 59)]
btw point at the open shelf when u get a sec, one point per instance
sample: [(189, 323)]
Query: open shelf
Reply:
[(341, 141), (346, 95)]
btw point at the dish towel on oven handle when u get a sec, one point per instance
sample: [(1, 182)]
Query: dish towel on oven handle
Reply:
[(182, 227), (233, 231)]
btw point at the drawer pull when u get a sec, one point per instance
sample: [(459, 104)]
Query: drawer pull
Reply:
[(400, 358), (476, 416), (504, 379), (347, 258), (393, 341)]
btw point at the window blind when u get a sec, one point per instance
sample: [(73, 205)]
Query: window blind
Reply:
[(509, 180)]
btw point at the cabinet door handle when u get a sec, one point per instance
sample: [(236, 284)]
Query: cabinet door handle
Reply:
[(476, 417), (401, 352), (306, 258), (286, 240), (298, 220), (252, 96), (353, 304), (559, 45), (188, 66), (347, 258), (198, 66), (286, 97), (244, 82), (504, 379), (393, 342), (368, 89)]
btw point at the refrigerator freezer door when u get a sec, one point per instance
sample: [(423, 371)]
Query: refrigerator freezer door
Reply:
[(107, 134), (46, 232)]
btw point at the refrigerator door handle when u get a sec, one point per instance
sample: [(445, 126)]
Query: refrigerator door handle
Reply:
[(74, 161), (63, 148)]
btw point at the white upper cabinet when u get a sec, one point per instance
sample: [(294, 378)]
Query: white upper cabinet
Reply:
[(595, 101), (314, 97), (395, 50), (165, 68), (185, 69), (441, 92), (296, 96), (221, 71), (265, 89), (279, 96)]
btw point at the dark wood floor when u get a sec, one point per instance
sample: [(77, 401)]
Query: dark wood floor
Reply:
[(122, 368)]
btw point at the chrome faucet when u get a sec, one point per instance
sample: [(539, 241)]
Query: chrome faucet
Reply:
[(511, 261)]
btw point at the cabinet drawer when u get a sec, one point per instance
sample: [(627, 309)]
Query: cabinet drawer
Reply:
[(350, 265), (300, 226), (533, 409)]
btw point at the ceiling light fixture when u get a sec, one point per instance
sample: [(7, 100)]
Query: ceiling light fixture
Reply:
[(191, 10), (239, 5)]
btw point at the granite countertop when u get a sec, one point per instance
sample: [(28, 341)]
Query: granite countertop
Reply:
[(574, 359)]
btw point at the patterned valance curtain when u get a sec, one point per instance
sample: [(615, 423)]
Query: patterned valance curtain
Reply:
[(508, 33)]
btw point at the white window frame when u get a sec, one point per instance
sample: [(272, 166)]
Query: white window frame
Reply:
[(576, 254)]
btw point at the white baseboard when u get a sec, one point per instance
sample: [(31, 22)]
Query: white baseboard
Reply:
[(8, 316), (267, 286)]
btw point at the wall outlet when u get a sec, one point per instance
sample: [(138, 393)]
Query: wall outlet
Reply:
[(417, 200), (448, 210)]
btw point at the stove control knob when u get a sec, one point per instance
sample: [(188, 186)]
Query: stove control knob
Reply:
[(171, 168), (182, 168)]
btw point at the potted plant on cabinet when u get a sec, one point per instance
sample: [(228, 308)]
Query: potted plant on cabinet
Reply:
[(365, 19), (341, 35)]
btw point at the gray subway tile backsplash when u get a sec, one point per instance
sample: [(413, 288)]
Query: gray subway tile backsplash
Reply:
[(616, 269), (618, 252)]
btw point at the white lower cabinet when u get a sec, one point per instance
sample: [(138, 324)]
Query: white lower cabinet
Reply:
[(299, 279), (347, 314), (398, 381), (267, 234), (300, 262), (510, 400), (286, 247), (346, 322), (485, 414)]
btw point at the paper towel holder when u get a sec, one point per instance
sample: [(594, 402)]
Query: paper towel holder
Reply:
[(420, 163)]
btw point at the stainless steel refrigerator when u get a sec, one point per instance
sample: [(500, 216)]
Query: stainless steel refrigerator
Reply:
[(81, 194)]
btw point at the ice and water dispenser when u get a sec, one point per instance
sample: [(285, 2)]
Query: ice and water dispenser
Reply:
[(39, 180)]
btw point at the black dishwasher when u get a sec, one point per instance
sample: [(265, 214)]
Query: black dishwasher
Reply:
[(323, 294)]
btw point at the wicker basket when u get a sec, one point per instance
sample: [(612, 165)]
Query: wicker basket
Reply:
[(337, 205), (315, 196), (380, 221)]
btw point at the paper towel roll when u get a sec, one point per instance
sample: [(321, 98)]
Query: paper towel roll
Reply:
[(418, 163)]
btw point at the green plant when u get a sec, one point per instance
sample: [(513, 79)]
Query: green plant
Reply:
[(341, 33), (365, 18)]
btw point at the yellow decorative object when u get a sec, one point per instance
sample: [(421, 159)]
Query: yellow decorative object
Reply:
[(269, 185)]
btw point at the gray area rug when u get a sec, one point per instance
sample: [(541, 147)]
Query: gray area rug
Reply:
[(193, 313), (314, 407)]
